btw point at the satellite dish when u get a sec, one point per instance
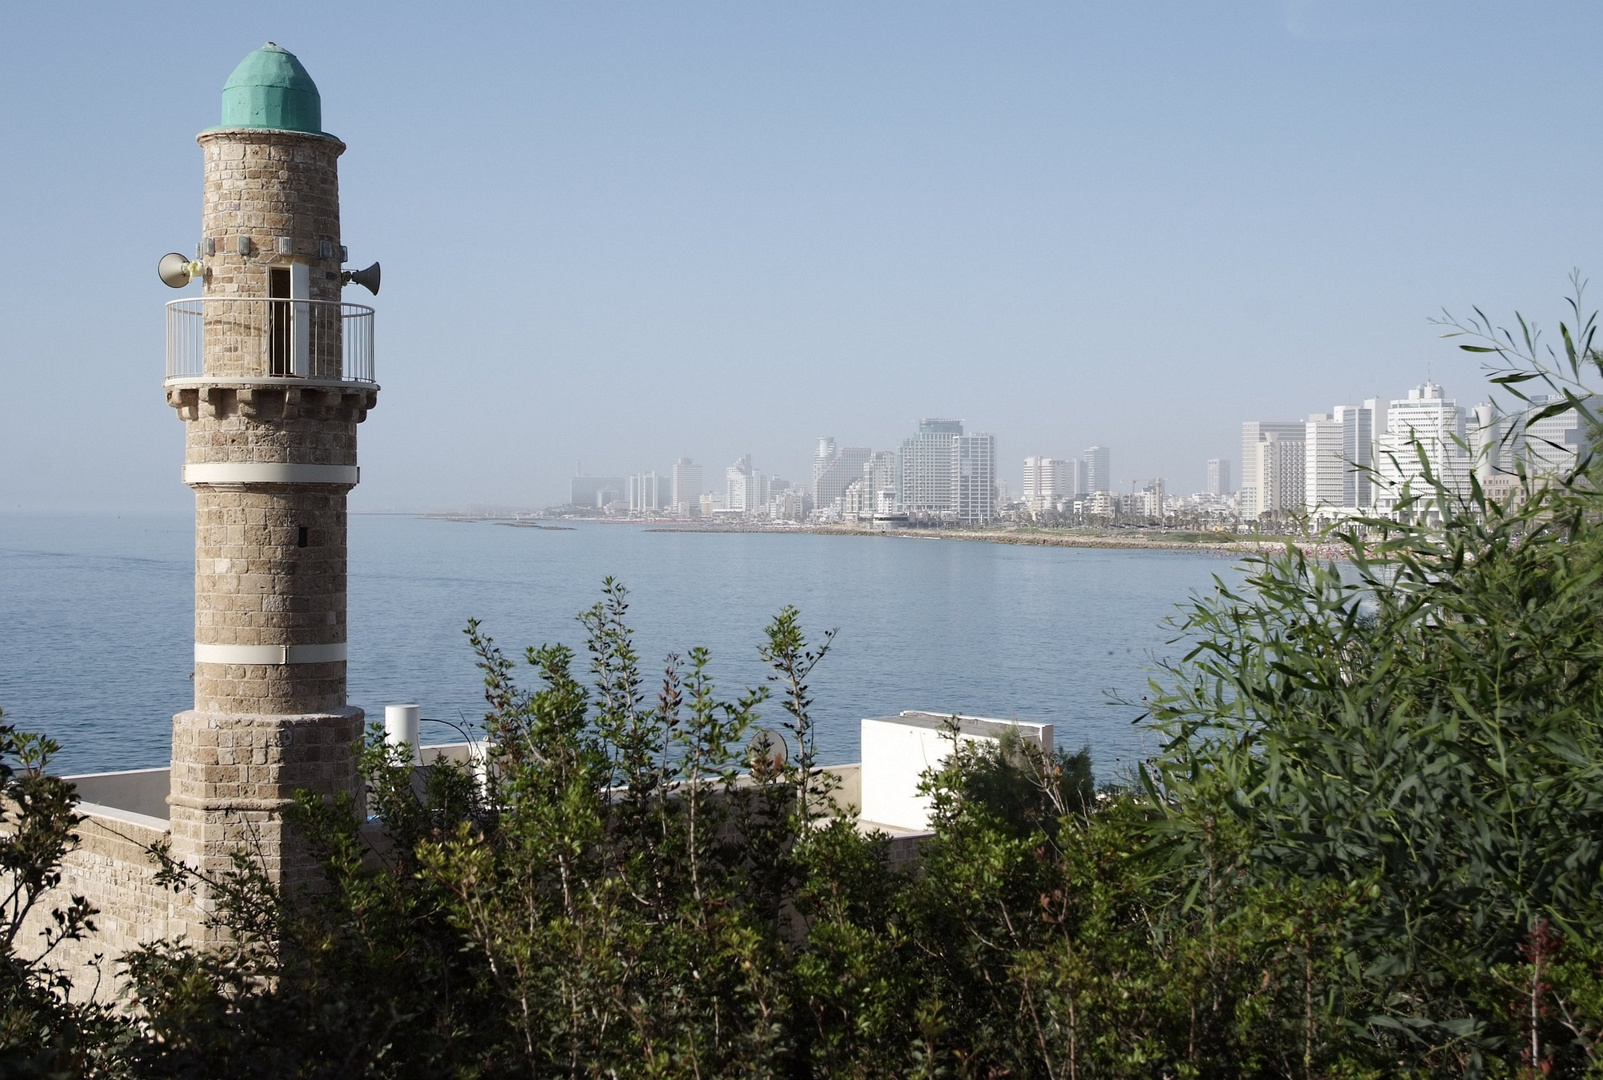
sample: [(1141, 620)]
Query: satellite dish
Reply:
[(176, 271), (767, 750), (367, 279)]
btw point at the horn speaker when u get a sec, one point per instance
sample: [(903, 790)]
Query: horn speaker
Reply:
[(367, 279), (177, 271)]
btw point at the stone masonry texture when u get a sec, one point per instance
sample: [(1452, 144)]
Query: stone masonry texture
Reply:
[(270, 562), (270, 558)]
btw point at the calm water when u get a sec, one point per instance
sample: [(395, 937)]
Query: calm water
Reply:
[(96, 621)]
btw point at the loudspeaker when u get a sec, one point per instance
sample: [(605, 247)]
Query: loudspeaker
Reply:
[(177, 271), (367, 279)]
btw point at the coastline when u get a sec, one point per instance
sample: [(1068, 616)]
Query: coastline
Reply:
[(1161, 541), (1223, 545)]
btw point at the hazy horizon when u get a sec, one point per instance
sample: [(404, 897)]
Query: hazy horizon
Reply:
[(623, 233)]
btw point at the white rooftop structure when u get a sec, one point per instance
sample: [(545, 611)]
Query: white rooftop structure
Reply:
[(898, 750)]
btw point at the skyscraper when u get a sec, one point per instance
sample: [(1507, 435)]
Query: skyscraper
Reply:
[(1358, 431), (924, 468), (1485, 436), (1046, 480), (646, 492), (831, 477), (1081, 478), (823, 455), (594, 491), (1098, 470), (1219, 476), (943, 473), (1281, 465), (1270, 481), (742, 487), (974, 478), (1326, 476), (879, 481), (686, 488), (1423, 431), (1551, 446)]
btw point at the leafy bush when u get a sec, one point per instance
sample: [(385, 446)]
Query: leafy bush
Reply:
[(1369, 846)]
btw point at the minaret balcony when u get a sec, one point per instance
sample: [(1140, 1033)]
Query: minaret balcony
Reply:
[(220, 340)]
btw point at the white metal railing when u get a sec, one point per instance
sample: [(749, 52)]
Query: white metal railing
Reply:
[(256, 337)]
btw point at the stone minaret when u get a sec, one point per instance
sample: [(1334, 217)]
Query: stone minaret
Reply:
[(270, 374)]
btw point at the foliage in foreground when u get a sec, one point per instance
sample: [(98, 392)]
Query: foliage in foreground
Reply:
[(1370, 846), (44, 1031)]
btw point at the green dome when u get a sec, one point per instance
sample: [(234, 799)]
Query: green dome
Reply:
[(270, 89)]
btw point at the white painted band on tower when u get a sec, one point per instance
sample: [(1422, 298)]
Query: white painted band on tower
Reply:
[(269, 654), (269, 472), (402, 726)]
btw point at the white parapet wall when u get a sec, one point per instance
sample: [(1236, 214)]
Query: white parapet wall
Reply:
[(899, 750)]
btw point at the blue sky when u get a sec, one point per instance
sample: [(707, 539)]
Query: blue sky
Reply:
[(619, 233)]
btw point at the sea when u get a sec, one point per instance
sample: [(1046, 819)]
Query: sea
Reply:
[(96, 623)]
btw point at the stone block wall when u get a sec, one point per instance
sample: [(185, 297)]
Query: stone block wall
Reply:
[(256, 584), (264, 186), (270, 544), (233, 775), (111, 867)]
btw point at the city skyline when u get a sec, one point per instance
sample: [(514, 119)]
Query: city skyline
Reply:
[(596, 221), (1352, 458)]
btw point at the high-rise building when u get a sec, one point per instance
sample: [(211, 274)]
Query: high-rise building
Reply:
[(1338, 459), (686, 488), (596, 491), (737, 484), (1326, 475), (823, 454), (647, 492), (1219, 476), (1552, 445), (1424, 431), (1281, 464), (745, 489), (1485, 437), (832, 476), (1360, 424), (924, 468), (879, 477), (1098, 469), (1268, 479), (1080, 484), (1047, 481), (974, 478), (1032, 480), (943, 473), (1548, 446)]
